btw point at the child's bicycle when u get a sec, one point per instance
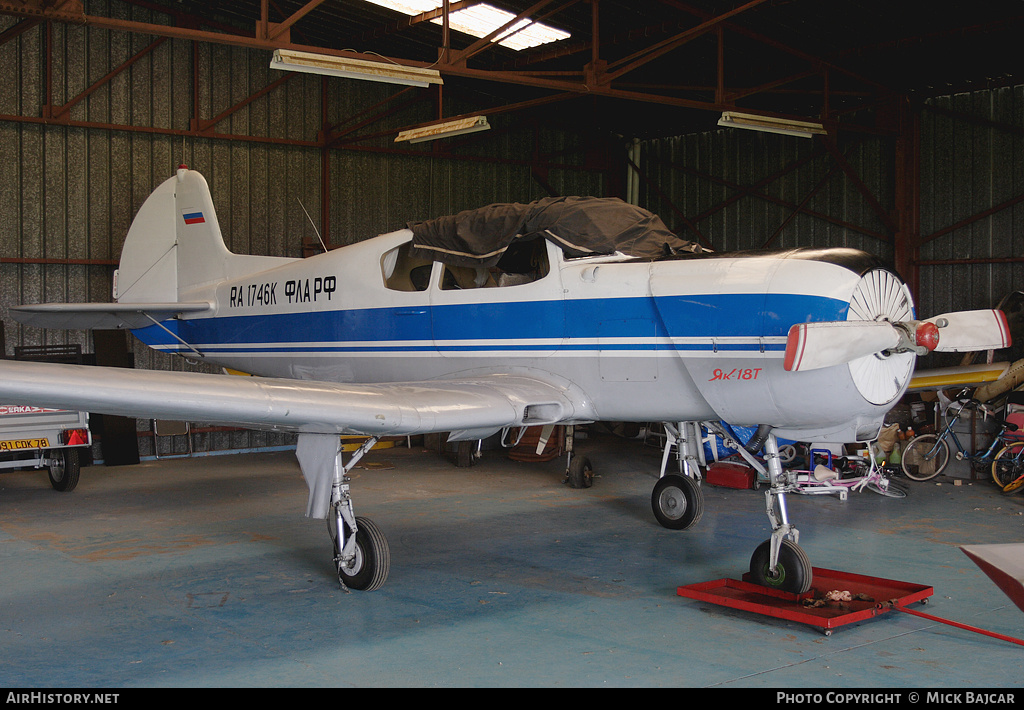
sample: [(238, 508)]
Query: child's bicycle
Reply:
[(927, 455), (845, 474)]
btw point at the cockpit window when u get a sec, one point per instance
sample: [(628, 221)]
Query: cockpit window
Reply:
[(522, 263), (403, 272)]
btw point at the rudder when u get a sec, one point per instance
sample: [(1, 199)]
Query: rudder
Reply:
[(174, 243)]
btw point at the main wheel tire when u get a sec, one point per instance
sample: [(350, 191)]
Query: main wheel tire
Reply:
[(677, 502), (792, 574), (915, 463), (368, 570), (65, 472), (580, 473), (1008, 465)]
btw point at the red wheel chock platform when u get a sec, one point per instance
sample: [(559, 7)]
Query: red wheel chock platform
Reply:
[(870, 596)]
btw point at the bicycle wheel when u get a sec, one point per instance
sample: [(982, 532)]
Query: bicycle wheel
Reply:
[(1008, 467), (925, 457), (887, 488)]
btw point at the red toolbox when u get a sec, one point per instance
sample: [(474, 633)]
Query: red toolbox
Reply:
[(731, 475)]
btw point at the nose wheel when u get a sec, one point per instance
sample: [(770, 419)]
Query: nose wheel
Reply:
[(792, 572)]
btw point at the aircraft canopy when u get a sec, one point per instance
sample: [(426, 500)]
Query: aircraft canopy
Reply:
[(582, 226)]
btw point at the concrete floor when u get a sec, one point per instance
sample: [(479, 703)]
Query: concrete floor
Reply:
[(203, 572)]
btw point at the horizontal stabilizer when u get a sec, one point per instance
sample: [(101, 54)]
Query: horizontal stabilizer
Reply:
[(811, 346), (966, 331), (88, 316)]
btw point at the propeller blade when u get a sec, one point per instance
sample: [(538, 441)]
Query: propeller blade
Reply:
[(811, 346), (964, 331)]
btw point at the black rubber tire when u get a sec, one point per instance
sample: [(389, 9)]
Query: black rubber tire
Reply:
[(677, 502), (64, 475), (794, 573), (369, 570), (914, 453), (580, 473)]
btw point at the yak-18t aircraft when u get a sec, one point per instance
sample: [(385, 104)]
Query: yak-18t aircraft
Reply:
[(442, 328)]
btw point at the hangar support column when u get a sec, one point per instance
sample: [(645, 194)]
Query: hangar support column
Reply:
[(907, 240)]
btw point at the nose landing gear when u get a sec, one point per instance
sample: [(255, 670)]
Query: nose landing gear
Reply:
[(677, 502)]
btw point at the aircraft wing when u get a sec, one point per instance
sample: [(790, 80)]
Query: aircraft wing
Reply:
[(88, 316), (470, 408)]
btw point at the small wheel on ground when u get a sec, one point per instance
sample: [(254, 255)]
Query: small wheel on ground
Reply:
[(792, 574), (580, 473), (677, 501), (65, 469), (368, 569)]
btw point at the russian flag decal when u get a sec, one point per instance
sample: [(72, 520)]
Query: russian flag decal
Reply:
[(193, 216)]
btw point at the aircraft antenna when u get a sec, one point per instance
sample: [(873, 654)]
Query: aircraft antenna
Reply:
[(312, 224)]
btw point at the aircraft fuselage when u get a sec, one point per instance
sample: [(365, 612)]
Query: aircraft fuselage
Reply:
[(680, 339)]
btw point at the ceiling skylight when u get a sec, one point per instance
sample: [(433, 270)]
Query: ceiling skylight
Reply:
[(482, 19)]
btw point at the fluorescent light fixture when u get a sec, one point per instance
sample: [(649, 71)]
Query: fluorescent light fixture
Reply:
[(480, 20), (769, 124), (291, 60), (458, 127)]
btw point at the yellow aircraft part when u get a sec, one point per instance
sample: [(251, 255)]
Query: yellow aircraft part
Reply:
[(1011, 380), (945, 377), (351, 443)]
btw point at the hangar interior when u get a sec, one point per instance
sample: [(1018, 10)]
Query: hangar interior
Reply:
[(190, 569)]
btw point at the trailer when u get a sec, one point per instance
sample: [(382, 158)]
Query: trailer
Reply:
[(39, 437)]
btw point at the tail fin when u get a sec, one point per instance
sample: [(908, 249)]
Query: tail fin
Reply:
[(175, 244)]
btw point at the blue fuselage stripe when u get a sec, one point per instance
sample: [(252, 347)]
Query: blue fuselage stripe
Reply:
[(475, 327)]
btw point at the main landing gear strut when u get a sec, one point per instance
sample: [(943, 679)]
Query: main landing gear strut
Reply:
[(361, 555), (678, 502)]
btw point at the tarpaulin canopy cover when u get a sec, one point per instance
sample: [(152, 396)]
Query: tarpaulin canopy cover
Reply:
[(582, 226)]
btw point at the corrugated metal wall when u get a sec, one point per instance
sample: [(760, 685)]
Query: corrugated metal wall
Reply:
[(767, 177), (967, 168), (69, 192)]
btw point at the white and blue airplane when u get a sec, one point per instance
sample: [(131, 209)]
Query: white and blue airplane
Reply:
[(378, 338)]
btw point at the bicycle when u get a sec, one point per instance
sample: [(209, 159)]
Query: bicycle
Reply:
[(867, 475), (927, 455), (1008, 467)]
